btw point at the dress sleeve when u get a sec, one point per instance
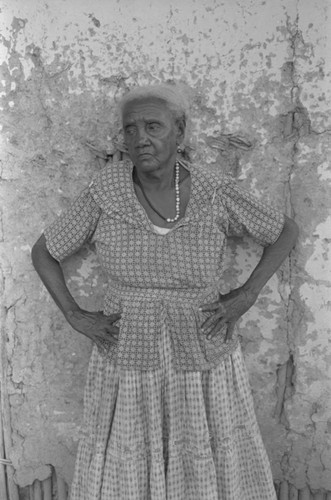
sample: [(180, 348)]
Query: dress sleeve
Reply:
[(74, 227), (249, 216)]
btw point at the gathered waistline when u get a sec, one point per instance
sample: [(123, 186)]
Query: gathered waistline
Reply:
[(161, 294)]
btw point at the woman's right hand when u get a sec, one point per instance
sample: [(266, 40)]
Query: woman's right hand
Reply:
[(95, 325)]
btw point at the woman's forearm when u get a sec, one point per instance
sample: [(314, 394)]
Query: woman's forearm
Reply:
[(94, 325), (51, 274), (272, 258)]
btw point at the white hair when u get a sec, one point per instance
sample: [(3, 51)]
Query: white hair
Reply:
[(170, 94)]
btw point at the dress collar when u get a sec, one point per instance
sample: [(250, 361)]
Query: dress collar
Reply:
[(113, 190)]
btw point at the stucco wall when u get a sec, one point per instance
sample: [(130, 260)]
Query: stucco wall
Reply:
[(255, 69)]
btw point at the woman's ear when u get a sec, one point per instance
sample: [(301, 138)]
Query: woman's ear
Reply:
[(181, 126)]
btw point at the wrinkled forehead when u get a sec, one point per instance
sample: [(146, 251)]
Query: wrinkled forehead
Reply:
[(146, 109)]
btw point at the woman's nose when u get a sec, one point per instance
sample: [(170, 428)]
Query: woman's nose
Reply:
[(142, 137)]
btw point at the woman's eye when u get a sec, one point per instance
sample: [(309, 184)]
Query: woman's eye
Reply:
[(130, 130), (153, 127)]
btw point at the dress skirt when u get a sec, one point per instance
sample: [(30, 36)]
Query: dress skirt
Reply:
[(168, 435)]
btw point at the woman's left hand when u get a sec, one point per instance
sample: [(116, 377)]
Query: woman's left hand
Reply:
[(226, 312)]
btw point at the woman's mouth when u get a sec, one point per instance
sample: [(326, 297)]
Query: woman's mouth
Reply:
[(144, 154)]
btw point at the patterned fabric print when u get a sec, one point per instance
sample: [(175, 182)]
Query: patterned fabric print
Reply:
[(74, 227), (249, 216), (169, 435), (149, 273)]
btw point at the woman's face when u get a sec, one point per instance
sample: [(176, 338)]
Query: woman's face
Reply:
[(151, 134)]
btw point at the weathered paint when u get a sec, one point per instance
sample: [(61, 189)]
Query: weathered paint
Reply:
[(257, 75)]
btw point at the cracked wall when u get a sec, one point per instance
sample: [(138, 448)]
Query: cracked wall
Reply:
[(257, 75)]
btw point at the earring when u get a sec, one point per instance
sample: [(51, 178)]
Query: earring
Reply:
[(180, 150)]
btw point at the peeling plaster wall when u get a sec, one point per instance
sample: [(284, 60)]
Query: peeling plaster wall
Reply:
[(258, 78)]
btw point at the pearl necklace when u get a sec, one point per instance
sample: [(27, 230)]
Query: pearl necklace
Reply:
[(177, 194)]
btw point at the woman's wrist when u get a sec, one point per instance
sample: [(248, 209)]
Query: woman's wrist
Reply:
[(251, 290), (71, 310)]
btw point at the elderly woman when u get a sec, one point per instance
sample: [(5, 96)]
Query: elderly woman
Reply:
[(168, 410)]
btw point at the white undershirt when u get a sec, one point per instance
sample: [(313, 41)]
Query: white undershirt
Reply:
[(161, 230)]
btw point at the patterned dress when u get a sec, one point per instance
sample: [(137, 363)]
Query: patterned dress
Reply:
[(168, 414)]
